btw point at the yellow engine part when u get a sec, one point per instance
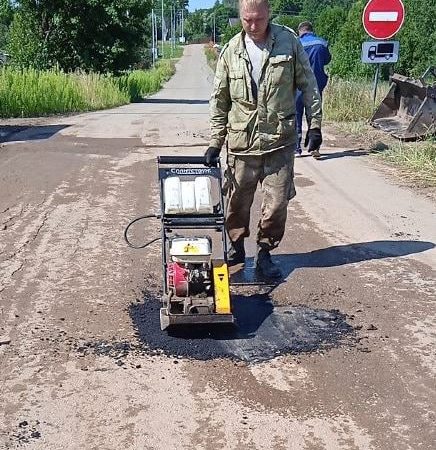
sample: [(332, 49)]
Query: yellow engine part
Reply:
[(221, 287)]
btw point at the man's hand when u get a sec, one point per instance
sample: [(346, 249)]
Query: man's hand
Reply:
[(211, 155), (313, 139)]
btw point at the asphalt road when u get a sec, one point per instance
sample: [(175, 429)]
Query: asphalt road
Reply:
[(339, 356)]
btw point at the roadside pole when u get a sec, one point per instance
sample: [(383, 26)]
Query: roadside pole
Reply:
[(162, 26), (153, 45), (376, 77)]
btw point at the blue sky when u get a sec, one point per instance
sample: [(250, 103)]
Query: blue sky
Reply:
[(200, 4)]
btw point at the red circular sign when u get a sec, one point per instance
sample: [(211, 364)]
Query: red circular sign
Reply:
[(383, 18)]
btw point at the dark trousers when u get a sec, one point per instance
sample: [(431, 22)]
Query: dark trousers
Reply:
[(275, 173), (299, 104)]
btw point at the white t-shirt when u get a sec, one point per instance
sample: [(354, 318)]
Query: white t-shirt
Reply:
[(255, 52)]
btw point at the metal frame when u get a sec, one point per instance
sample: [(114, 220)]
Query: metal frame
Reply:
[(184, 166)]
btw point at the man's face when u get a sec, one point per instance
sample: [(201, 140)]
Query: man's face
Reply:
[(255, 21)]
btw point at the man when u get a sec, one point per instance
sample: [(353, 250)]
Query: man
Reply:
[(319, 55), (253, 105)]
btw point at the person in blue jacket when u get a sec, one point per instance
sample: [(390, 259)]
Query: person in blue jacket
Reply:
[(319, 55)]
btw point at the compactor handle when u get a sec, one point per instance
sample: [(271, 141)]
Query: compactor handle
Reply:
[(181, 160)]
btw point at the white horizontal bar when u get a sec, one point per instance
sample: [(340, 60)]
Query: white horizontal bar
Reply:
[(387, 16)]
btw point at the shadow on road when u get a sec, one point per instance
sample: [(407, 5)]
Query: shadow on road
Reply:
[(334, 155), (176, 101), (28, 133), (338, 255)]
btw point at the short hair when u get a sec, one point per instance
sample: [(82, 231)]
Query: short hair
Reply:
[(253, 3), (305, 26)]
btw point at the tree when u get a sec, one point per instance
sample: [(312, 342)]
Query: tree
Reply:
[(417, 38), (6, 15), (330, 22), (346, 51), (289, 21), (219, 15), (285, 7), (99, 35), (195, 26), (229, 32)]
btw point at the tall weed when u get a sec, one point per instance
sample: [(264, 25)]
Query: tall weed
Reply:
[(417, 157), (31, 93), (350, 100)]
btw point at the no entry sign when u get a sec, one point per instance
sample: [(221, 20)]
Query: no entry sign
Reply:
[(383, 18)]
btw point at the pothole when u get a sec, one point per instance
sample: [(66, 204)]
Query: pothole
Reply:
[(263, 331)]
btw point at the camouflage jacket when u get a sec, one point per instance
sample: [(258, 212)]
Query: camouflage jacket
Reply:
[(266, 123)]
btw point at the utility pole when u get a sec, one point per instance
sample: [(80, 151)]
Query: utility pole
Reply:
[(171, 29), (214, 29), (183, 27), (162, 25), (152, 39)]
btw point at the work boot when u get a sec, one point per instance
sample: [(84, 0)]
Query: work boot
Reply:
[(265, 266), (316, 154), (236, 253)]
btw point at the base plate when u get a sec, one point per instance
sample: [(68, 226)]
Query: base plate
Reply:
[(167, 320)]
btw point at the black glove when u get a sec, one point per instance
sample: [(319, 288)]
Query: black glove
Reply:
[(313, 139), (210, 156)]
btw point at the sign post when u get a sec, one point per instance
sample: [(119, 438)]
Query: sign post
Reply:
[(381, 19)]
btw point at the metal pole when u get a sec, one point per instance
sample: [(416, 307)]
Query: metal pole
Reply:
[(155, 37), (171, 30), (152, 37), (162, 26), (376, 76), (214, 29), (183, 27)]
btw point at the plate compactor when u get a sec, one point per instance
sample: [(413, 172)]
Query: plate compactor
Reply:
[(196, 287)]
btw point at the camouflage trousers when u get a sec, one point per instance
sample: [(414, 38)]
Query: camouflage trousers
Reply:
[(275, 173)]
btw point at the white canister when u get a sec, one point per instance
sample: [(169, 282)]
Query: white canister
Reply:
[(172, 195), (203, 198)]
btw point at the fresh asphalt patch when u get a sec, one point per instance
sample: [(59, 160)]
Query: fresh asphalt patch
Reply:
[(262, 331)]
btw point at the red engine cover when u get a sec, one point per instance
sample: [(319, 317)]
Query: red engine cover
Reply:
[(178, 279)]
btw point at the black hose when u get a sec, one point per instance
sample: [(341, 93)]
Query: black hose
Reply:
[(148, 216)]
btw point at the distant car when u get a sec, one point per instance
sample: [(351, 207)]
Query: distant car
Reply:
[(380, 51)]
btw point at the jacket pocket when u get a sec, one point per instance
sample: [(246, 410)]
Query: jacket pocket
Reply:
[(281, 69), (237, 85), (238, 136), (287, 125)]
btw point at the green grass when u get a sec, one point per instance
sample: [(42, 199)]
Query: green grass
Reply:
[(211, 56), (140, 83), (169, 51), (350, 101), (37, 93), (32, 93), (417, 158)]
